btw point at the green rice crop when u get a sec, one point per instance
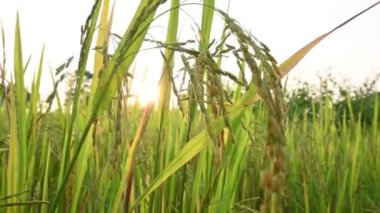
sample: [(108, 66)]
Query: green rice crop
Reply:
[(220, 149)]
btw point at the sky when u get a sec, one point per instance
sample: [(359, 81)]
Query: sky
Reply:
[(351, 53)]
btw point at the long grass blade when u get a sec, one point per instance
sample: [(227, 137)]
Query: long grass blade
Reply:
[(89, 32), (293, 60)]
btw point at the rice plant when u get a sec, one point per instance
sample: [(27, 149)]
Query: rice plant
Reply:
[(228, 144)]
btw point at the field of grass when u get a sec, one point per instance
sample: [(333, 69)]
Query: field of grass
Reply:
[(230, 145)]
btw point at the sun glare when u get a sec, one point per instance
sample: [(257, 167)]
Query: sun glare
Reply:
[(147, 93)]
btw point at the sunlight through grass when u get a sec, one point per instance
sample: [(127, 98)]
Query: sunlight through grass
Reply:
[(226, 147)]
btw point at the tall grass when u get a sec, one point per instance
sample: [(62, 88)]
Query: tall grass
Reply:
[(225, 151)]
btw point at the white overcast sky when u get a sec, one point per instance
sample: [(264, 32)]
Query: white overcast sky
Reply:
[(352, 52)]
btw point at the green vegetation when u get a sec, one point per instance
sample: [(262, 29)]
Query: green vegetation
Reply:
[(219, 150)]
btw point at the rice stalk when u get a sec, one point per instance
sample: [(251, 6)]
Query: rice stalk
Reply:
[(130, 162)]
